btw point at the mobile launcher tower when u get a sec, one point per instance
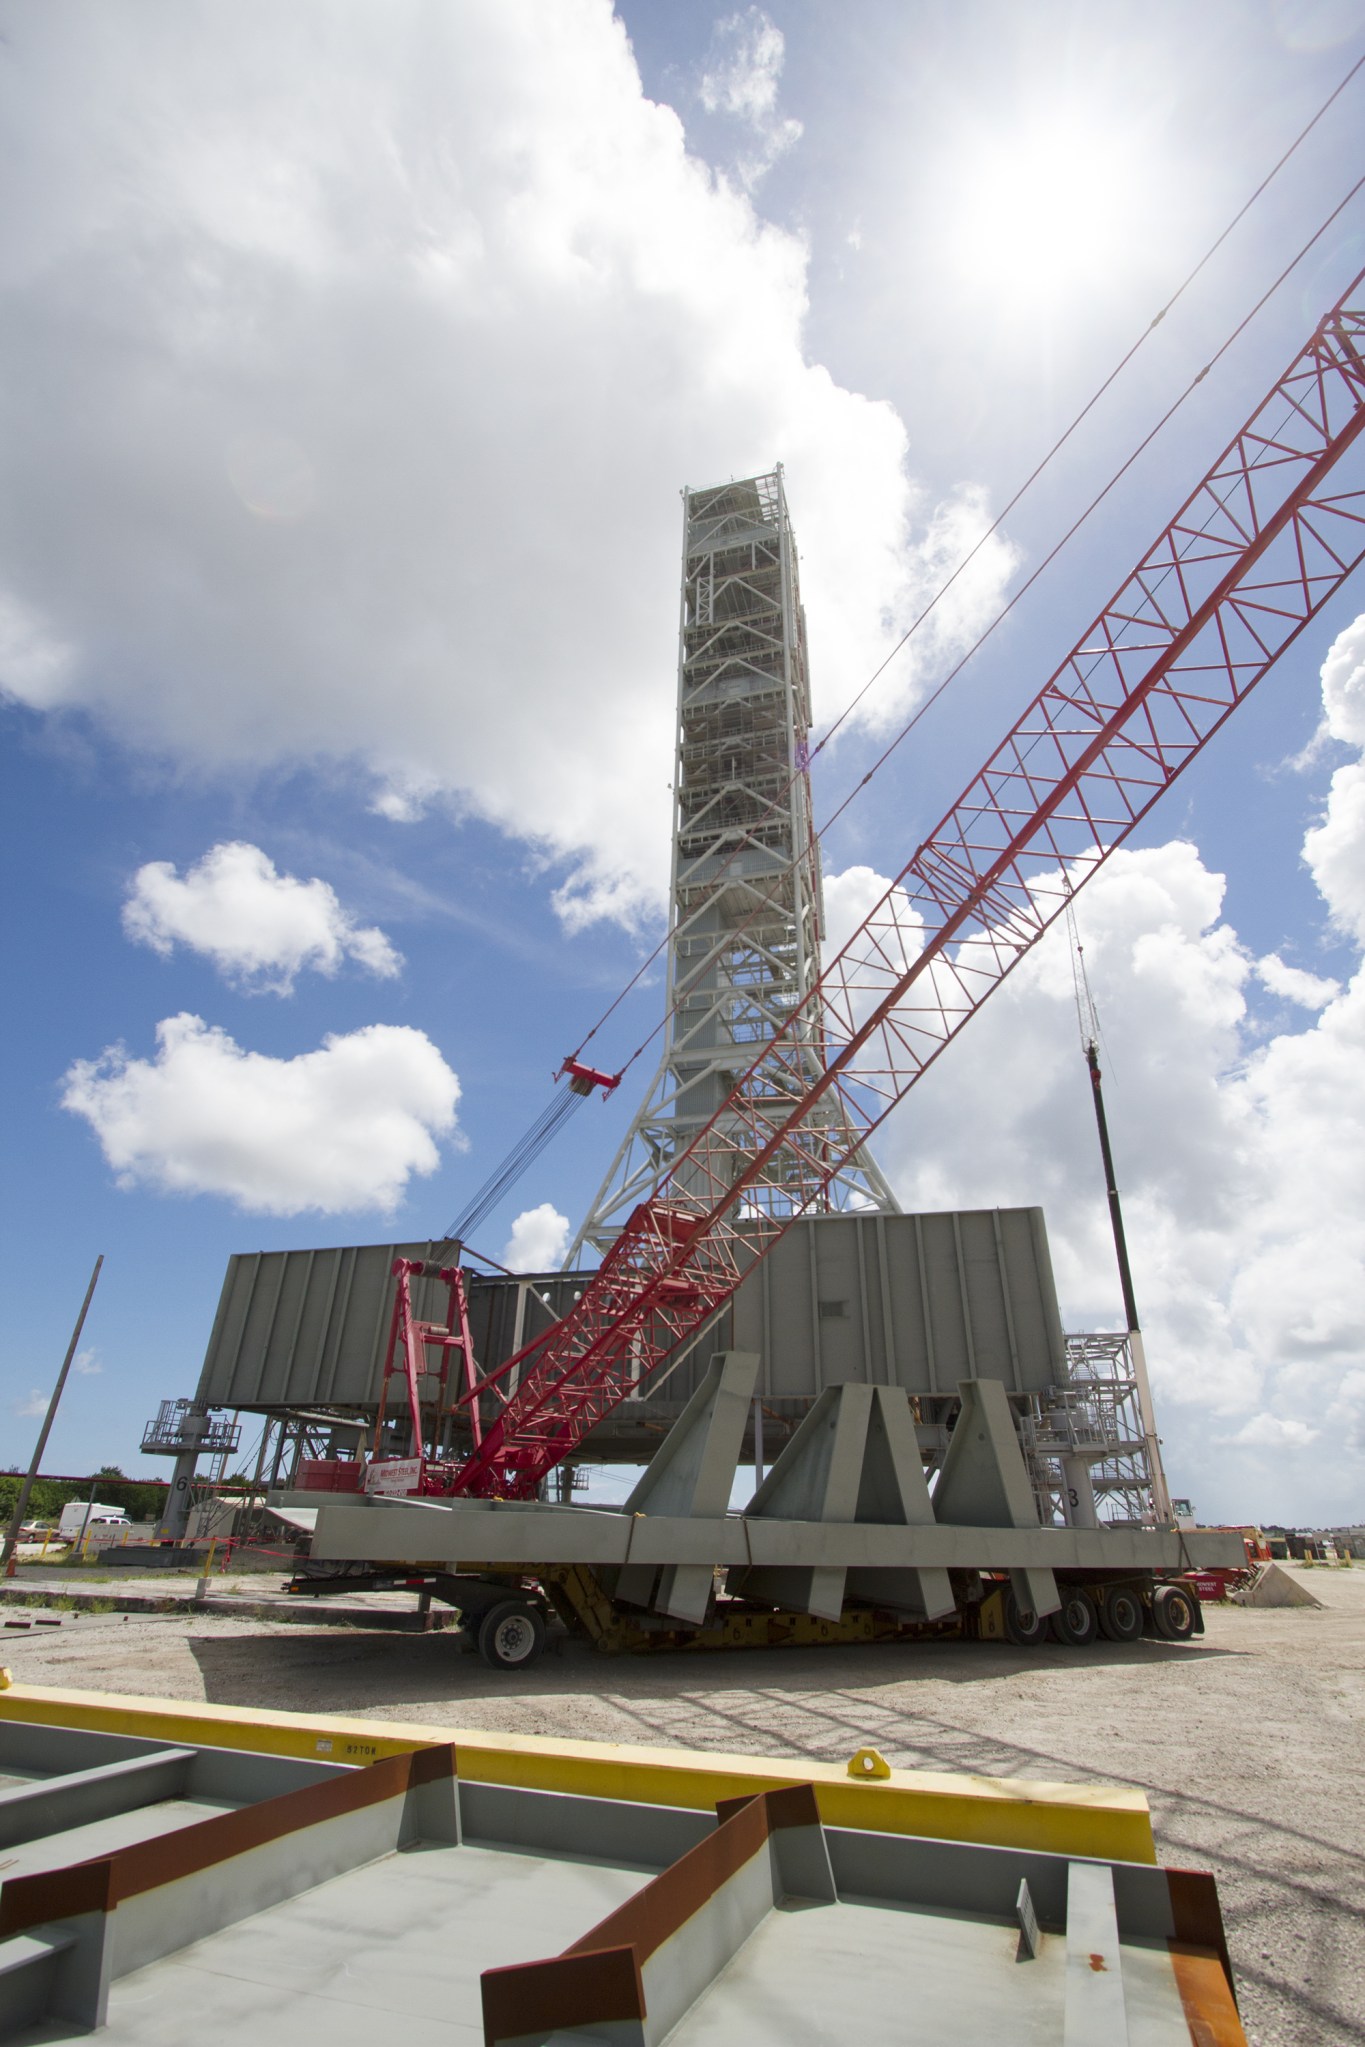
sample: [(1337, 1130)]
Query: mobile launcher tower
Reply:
[(746, 904)]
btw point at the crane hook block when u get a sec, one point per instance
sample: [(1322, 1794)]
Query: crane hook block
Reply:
[(583, 1079)]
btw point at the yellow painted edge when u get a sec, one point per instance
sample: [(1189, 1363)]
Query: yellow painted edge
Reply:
[(1107, 1821)]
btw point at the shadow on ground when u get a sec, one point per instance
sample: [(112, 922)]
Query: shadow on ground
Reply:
[(360, 1669)]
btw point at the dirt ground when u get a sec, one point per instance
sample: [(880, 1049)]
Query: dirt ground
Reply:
[(1249, 1744)]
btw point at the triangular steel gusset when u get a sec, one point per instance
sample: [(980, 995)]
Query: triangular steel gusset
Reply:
[(984, 1483), (854, 1459), (691, 1476)]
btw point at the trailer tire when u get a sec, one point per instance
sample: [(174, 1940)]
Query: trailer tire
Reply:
[(1174, 1612), (1023, 1628), (1121, 1613), (511, 1635), (1075, 1622)]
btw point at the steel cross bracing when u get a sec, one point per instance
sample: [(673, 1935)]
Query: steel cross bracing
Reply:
[(746, 907), (1257, 549)]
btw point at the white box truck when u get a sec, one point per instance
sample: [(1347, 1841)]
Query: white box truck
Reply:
[(74, 1520)]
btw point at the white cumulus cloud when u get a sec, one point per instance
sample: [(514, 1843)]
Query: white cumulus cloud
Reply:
[(337, 1130), (742, 76), (1335, 850), (538, 1240), (371, 456), (1343, 685), (1296, 984), (32, 1408), (260, 928), (1274, 1432), (33, 665)]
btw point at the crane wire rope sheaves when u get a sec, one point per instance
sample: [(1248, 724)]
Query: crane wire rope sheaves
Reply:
[(1175, 674), (1018, 496)]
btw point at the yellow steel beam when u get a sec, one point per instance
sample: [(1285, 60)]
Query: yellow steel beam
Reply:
[(1102, 1820)]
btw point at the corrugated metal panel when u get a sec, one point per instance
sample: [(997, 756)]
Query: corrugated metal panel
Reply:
[(919, 1301), (306, 1328)]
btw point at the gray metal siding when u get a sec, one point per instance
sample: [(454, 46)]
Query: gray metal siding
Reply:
[(919, 1301), (307, 1328)]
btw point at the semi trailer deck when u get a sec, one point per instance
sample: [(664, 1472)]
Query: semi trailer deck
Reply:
[(842, 1541)]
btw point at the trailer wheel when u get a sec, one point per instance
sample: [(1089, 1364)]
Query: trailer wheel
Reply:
[(1075, 1622), (1023, 1628), (511, 1635), (1121, 1614), (1174, 1613)]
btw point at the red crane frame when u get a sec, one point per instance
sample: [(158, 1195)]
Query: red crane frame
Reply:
[(1253, 554)]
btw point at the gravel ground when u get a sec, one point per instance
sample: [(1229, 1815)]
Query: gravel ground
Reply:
[(1249, 1744)]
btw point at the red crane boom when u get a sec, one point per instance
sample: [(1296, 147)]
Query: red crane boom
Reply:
[(1252, 555)]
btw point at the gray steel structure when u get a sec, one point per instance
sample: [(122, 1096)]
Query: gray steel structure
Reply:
[(154, 1894), (915, 1301), (746, 906), (845, 1517)]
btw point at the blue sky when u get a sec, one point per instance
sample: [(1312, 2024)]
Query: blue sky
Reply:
[(354, 361)]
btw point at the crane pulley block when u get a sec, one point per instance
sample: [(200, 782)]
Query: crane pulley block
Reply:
[(583, 1079)]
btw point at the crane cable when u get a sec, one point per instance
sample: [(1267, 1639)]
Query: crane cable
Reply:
[(565, 1100), (524, 1153), (927, 703), (531, 1146), (1087, 1016), (995, 525)]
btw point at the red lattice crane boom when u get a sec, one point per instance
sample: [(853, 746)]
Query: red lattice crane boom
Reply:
[(1267, 537)]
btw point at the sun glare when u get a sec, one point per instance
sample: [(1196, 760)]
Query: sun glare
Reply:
[(1047, 207)]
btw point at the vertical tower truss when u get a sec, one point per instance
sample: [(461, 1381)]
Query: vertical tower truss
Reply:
[(746, 906)]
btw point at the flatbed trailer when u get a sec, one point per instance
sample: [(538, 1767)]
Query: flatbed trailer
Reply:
[(842, 1542), (508, 1615)]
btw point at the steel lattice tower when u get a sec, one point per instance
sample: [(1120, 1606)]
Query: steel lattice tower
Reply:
[(746, 905)]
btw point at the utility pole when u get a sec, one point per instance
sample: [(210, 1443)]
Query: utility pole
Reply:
[(12, 1537)]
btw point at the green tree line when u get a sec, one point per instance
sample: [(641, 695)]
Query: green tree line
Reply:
[(140, 1502)]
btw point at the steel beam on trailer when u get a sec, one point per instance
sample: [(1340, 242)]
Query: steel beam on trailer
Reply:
[(853, 1461), (691, 1474), (493, 1535)]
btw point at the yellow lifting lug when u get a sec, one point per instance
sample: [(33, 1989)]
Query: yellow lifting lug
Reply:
[(869, 1764)]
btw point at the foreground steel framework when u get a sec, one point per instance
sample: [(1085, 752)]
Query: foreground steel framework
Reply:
[(746, 905), (1264, 540)]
